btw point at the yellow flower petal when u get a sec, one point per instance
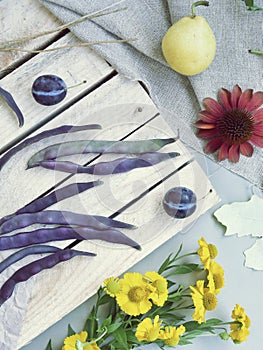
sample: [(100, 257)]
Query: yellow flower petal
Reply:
[(148, 330), (239, 331), (133, 297), (160, 291), (70, 342), (215, 276), (206, 252), (171, 335), (112, 286), (204, 299)]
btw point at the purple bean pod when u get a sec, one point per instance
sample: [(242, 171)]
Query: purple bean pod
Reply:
[(53, 197), (97, 146), (60, 233), (22, 253), (11, 102), (33, 268), (43, 235), (64, 129), (56, 217), (120, 165)]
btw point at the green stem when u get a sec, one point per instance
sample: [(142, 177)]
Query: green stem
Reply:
[(258, 52), (197, 3)]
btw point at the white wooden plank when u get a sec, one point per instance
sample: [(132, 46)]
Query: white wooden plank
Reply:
[(155, 227), (73, 65), (23, 18), (16, 193)]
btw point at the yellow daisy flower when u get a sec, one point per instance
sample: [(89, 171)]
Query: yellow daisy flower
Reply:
[(215, 276), (160, 292), (171, 335), (70, 342), (112, 286), (239, 332), (133, 297), (238, 314), (206, 252), (148, 330), (204, 299)]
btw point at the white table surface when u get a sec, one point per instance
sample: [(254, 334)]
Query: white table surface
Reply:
[(242, 285)]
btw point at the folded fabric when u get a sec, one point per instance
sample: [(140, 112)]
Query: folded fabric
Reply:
[(178, 98)]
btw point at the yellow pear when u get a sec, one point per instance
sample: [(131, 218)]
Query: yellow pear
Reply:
[(189, 45)]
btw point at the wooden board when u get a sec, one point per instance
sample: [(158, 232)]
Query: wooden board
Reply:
[(125, 111), (23, 18)]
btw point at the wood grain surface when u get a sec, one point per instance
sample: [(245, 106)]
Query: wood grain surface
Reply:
[(125, 112)]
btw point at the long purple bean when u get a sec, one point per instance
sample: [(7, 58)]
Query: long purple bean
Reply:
[(22, 253), (60, 233), (33, 268), (97, 146), (57, 196), (53, 197), (120, 165), (64, 129), (56, 217), (11, 102)]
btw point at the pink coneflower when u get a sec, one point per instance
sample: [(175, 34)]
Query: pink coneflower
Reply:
[(232, 123)]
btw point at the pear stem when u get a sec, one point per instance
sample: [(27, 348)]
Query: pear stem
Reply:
[(197, 3), (258, 52)]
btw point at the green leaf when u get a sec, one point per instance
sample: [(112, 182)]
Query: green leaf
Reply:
[(91, 324), (70, 331), (249, 2), (184, 341), (190, 325), (113, 327), (104, 299), (250, 5), (186, 268), (106, 322), (121, 338), (172, 317), (165, 264), (49, 346), (131, 338), (224, 335), (170, 283), (212, 322)]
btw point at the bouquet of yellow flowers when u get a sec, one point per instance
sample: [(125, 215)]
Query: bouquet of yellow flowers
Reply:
[(152, 308)]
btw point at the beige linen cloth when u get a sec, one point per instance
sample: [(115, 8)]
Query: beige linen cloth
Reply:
[(178, 97)]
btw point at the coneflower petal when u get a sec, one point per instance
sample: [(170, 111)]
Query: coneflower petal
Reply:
[(234, 153), (213, 106), (213, 145), (223, 151), (257, 140), (245, 99), (258, 115), (258, 131), (246, 149), (202, 125), (236, 93), (208, 117), (224, 97), (255, 102), (206, 134)]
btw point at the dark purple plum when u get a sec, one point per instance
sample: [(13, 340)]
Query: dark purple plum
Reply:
[(49, 89), (179, 202)]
